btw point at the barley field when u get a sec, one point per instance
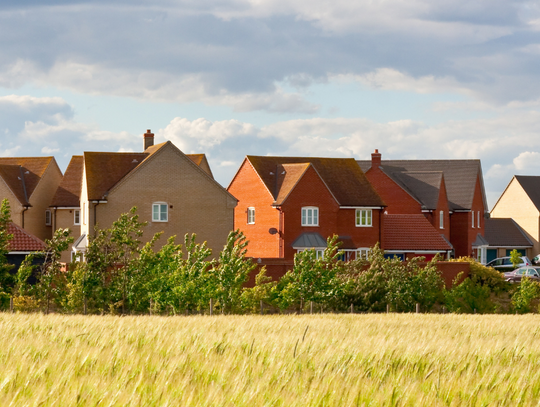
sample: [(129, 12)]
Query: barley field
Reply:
[(307, 360)]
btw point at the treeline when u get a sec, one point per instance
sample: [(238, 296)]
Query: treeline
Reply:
[(120, 275)]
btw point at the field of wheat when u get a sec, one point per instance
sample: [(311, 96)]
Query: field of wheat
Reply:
[(308, 360)]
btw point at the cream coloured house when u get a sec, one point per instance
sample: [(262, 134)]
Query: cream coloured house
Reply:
[(174, 192), (520, 201)]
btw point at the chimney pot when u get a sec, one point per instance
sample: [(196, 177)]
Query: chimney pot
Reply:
[(148, 139)]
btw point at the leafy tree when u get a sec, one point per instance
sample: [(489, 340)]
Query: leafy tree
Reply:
[(527, 292), (7, 280), (515, 258), (265, 290), (468, 297), (231, 272)]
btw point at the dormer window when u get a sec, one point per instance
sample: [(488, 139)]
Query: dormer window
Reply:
[(160, 212), (310, 216)]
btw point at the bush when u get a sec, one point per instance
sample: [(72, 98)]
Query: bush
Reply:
[(469, 297), (527, 292)]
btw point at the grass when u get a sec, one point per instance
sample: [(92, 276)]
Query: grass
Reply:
[(310, 360)]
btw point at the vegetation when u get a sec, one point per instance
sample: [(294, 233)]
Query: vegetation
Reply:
[(290, 360)]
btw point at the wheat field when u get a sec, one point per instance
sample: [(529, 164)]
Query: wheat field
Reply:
[(306, 360)]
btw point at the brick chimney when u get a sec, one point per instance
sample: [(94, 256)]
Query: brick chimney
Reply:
[(148, 139), (376, 159)]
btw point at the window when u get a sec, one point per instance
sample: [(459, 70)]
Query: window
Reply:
[(363, 217), (478, 219), (251, 216), (441, 220), (310, 216), (473, 219), (48, 217), (362, 253), (159, 212), (76, 217)]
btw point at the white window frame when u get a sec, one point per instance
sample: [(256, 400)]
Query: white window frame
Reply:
[(441, 220), (160, 206), (48, 217), (359, 218), (251, 215), (75, 213), (310, 216), (473, 219), (362, 253), (478, 219)]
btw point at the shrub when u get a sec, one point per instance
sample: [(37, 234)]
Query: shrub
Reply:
[(527, 292)]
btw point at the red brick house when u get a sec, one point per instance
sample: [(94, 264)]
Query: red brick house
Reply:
[(449, 193), (289, 204)]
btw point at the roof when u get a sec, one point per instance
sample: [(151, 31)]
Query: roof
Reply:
[(69, 191), (424, 186), (459, 175), (309, 240), (505, 232), (23, 241), (343, 177), (22, 174), (104, 170), (412, 233), (531, 186)]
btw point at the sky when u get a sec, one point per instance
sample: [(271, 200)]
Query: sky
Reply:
[(415, 79)]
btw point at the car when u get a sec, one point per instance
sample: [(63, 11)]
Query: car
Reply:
[(536, 260), (504, 264), (515, 276)]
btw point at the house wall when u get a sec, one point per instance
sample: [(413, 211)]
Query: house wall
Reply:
[(34, 218), (397, 200), (310, 191), (362, 236), (196, 203), (14, 204), (250, 191), (442, 205), (515, 203), (65, 218)]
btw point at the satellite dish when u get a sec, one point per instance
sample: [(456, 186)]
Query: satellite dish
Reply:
[(272, 231)]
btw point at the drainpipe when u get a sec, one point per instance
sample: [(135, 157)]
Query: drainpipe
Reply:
[(95, 216), (25, 208)]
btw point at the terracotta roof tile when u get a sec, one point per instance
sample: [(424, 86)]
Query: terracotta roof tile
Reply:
[(288, 176), (23, 241), (504, 232), (343, 177), (69, 191), (412, 232), (459, 175), (22, 174), (202, 162)]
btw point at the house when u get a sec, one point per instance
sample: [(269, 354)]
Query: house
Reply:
[(21, 245), (411, 235), (520, 201), (175, 193), (29, 184), (504, 235), (449, 193), (289, 204)]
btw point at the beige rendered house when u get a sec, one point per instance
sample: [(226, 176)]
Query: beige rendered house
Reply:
[(174, 192), (29, 184), (520, 201)]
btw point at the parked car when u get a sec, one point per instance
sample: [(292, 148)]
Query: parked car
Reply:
[(515, 276), (536, 260), (504, 264)]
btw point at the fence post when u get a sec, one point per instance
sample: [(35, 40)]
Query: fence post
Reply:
[(417, 308), (311, 307), (387, 308), (443, 309), (150, 308), (211, 306), (352, 308), (262, 308), (11, 304)]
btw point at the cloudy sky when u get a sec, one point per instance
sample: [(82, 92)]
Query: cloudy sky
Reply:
[(413, 78)]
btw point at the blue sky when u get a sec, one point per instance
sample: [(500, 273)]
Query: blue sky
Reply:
[(415, 79)]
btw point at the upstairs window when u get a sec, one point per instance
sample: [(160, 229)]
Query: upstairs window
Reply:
[(251, 216), (76, 217), (310, 216), (363, 217), (48, 217), (473, 219), (160, 212), (478, 219), (441, 220)]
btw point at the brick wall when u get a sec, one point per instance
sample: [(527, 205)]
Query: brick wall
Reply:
[(250, 191), (397, 200), (64, 218)]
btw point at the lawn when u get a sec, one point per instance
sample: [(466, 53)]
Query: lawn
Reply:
[(308, 360)]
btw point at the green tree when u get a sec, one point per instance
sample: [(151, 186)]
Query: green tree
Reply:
[(527, 292), (515, 258), (7, 280)]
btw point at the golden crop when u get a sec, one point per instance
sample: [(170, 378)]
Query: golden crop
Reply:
[(308, 360)]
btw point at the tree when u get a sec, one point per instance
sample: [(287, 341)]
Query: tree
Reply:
[(7, 280), (515, 258)]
